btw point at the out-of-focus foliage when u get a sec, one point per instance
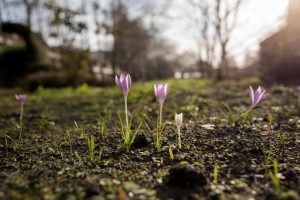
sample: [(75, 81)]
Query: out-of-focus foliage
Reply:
[(18, 61)]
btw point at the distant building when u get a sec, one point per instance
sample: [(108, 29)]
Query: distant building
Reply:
[(100, 64), (280, 53)]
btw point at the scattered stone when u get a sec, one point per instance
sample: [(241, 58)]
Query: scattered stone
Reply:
[(140, 141), (208, 126), (91, 190), (185, 176)]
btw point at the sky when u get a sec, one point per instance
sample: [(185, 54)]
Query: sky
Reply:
[(257, 20)]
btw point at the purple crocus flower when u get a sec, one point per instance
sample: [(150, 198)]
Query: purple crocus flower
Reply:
[(161, 91), (257, 96), (21, 98), (298, 88), (124, 83)]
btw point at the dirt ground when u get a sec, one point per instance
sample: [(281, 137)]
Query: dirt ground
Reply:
[(223, 157)]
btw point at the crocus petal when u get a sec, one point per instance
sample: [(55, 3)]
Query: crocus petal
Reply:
[(129, 81), (122, 77), (117, 80), (166, 89), (155, 90), (257, 96), (160, 91), (266, 95), (21, 98), (252, 95)]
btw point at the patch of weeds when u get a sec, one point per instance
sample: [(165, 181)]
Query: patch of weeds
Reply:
[(102, 128), (81, 163), (155, 132), (14, 144), (158, 134), (67, 141), (84, 89), (171, 155), (268, 155), (216, 173), (128, 137), (229, 115), (80, 129), (274, 175), (91, 147), (281, 137)]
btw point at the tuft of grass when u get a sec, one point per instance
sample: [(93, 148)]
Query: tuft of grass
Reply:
[(268, 153), (79, 159), (216, 173), (81, 129), (101, 152), (229, 115), (102, 128), (67, 140), (14, 144), (159, 130), (91, 147), (128, 137), (274, 175), (171, 155), (156, 132)]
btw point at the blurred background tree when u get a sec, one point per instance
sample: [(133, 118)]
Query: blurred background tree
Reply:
[(66, 26), (20, 60), (63, 42)]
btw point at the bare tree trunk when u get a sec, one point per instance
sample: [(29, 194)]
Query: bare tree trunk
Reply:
[(116, 30), (223, 68), (224, 28), (28, 12)]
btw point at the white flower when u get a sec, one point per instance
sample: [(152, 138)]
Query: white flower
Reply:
[(178, 120)]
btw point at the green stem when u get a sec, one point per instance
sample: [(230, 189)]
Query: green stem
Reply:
[(160, 113), (21, 122), (248, 111), (158, 137), (126, 112), (179, 138)]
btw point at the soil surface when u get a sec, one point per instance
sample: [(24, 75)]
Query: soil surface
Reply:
[(223, 156)]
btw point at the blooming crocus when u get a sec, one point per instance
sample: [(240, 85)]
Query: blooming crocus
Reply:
[(258, 96), (21, 99), (178, 121), (161, 91), (124, 83)]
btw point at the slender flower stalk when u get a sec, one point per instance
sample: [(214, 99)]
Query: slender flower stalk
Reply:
[(21, 99), (298, 88), (124, 83), (161, 91), (178, 121)]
